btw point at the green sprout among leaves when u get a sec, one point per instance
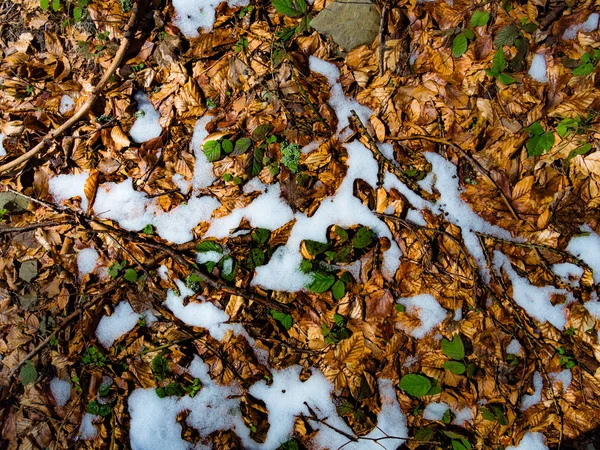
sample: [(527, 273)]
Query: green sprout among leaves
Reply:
[(291, 157)]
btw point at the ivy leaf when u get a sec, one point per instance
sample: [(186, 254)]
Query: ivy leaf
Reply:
[(459, 45), (363, 238), (227, 146), (321, 283), (241, 145), (582, 150), (338, 289), (284, 319), (583, 69), (538, 145), (506, 36), (453, 349), (455, 367), (212, 150), (28, 373), (208, 246), (415, 384), (479, 19), (130, 275), (506, 79), (290, 8), (260, 235)]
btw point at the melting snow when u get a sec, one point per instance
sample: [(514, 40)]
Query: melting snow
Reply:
[(2, 149), (66, 104), (61, 391), (145, 127), (86, 260), (533, 399), (123, 320), (427, 309), (531, 441), (538, 68)]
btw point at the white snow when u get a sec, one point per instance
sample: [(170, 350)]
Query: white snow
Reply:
[(133, 211), (427, 309), (66, 186), (565, 377), (538, 68), (586, 248), (531, 441), (88, 430), (182, 184), (533, 399), (341, 104), (192, 15), (66, 104), (535, 300), (61, 391), (435, 410), (2, 149), (588, 26), (154, 426), (145, 127), (86, 260), (567, 272), (123, 320), (514, 347), (203, 172)]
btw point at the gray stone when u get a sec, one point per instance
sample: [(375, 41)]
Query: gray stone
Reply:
[(28, 301), (350, 23), (13, 203), (28, 270)]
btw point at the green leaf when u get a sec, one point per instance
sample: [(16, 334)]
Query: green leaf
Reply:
[(44, 4), (338, 289), (583, 69), (77, 13), (535, 128), (208, 246), (290, 8), (506, 36), (499, 62), (343, 234), (415, 385), (538, 145), (260, 235), (488, 415), (28, 373), (399, 307), (582, 150), (148, 229), (453, 349), (260, 132), (469, 34), (321, 282), (212, 150), (456, 445), (257, 161), (339, 320), (455, 367), (160, 367), (424, 434), (55, 5), (315, 248), (284, 319), (506, 79), (241, 145), (363, 238), (131, 275), (479, 18), (257, 256), (227, 146), (459, 45)]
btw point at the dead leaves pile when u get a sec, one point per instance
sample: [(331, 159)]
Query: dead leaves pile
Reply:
[(246, 75)]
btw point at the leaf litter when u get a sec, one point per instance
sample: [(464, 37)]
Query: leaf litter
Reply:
[(258, 240)]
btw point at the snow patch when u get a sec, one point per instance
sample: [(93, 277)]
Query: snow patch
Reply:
[(66, 104), (588, 26), (61, 391), (567, 272), (66, 186), (86, 260), (192, 15), (533, 399), (203, 172), (586, 248), (514, 347), (531, 441), (427, 309), (122, 321), (538, 68), (2, 149), (565, 377), (145, 127), (87, 429)]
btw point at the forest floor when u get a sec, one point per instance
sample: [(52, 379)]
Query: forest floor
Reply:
[(220, 229)]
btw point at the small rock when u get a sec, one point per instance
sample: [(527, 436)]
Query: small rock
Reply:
[(350, 23), (28, 270), (28, 301), (13, 203)]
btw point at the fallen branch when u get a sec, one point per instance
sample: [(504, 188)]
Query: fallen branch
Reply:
[(83, 110), (468, 157)]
